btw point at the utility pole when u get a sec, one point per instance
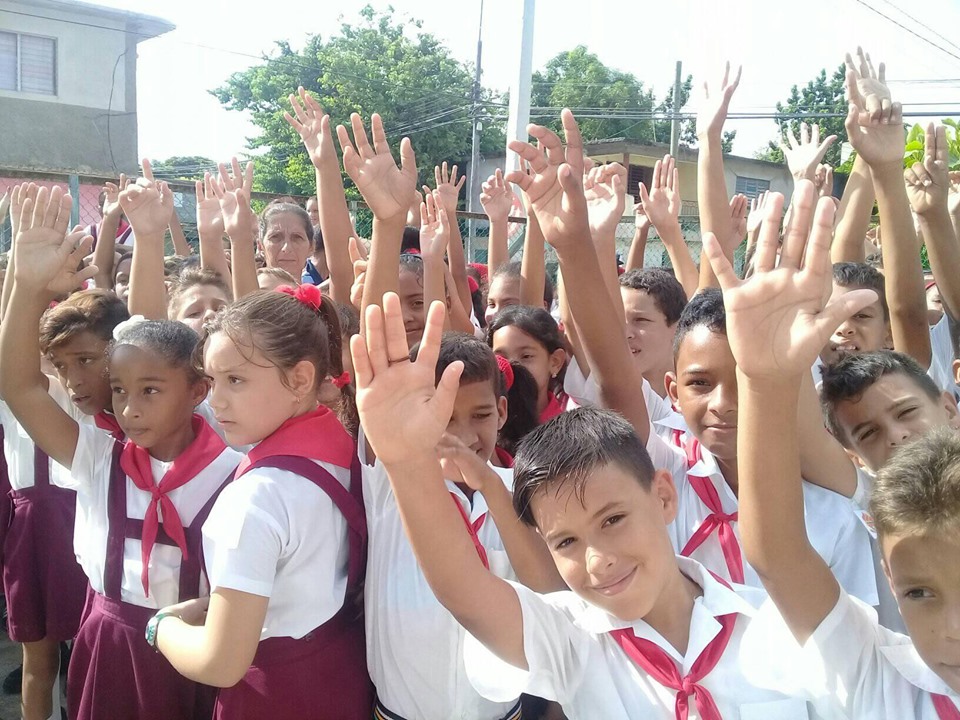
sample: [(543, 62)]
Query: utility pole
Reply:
[(475, 142), (674, 122), (520, 87)]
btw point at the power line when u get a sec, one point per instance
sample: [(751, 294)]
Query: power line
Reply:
[(925, 27), (900, 25)]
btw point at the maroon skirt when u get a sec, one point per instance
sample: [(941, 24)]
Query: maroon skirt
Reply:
[(114, 673), (322, 676), (42, 581)]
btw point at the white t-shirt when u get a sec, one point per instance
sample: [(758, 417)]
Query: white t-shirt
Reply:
[(852, 667), (89, 475), (833, 527), (276, 534), (573, 660), (941, 356), (414, 645)]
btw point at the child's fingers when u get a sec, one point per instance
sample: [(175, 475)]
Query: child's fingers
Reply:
[(360, 137), (379, 135), (718, 261), (362, 368), (394, 332), (429, 349), (816, 255), (842, 307), (343, 137), (795, 238), (376, 339), (62, 222), (768, 241), (574, 140), (532, 155), (446, 395), (40, 207), (550, 146), (147, 169), (408, 159)]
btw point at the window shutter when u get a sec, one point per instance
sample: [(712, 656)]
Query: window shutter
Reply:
[(38, 61), (8, 61)]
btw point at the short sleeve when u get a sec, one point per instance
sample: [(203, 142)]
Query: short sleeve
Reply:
[(941, 356), (92, 460), (665, 456), (243, 538), (852, 563), (556, 649)]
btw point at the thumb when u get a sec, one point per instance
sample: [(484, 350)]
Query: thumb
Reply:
[(843, 307), (721, 265), (441, 404), (408, 160), (354, 250)]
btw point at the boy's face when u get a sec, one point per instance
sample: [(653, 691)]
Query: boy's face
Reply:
[(924, 575), (704, 388), (649, 336), (478, 415), (891, 412), (866, 331), (610, 545), (81, 364)]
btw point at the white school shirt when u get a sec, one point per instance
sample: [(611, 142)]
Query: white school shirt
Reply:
[(574, 661), (276, 534), (941, 356), (834, 530), (414, 644), (852, 667), (89, 475)]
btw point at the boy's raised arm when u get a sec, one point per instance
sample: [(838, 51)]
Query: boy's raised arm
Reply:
[(107, 233), (210, 230), (662, 206), (390, 386), (777, 322), (148, 205)]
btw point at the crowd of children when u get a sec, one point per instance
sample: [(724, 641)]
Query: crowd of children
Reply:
[(304, 474)]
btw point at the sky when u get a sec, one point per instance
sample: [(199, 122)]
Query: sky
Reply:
[(778, 43)]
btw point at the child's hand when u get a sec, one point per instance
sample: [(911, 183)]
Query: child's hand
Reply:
[(496, 197), (757, 209), (233, 194), (312, 125), (780, 318), (413, 214), (874, 124), (662, 203), (603, 190), (803, 155), (209, 217), (17, 198), (386, 189), (640, 218), (462, 465), (359, 272), (712, 113), (738, 223), (148, 204), (554, 182), (192, 612), (928, 183), (447, 186), (867, 81), (434, 227), (823, 181), (111, 200), (45, 257), (403, 414)]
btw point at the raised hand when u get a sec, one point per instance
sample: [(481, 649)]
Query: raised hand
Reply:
[(662, 204), (715, 104), (805, 153), (928, 183), (18, 197), (554, 182), (863, 82), (779, 319), (232, 190), (496, 197), (111, 200), (603, 188), (386, 189), (148, 204), (756, 214), (391, 386), (434, 227), (738, 222), (447, 186), (71, 274), (209, 217), (823, 181), (312, 125), (874, 124)]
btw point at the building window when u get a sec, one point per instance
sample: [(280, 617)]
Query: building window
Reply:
[(751, 187), (637, 174), (28, 63)]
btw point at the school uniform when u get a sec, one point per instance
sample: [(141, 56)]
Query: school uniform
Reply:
[(707, 530), (852, 667), (941, 356), (291, 528), (593, 663), (141, 551), (414, 645)]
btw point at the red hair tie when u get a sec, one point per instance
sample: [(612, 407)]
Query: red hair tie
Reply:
[(507, 369), (472, 284), (341, 380), (307, 294)]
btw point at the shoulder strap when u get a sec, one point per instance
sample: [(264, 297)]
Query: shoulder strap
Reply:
[(116, 525), (191, 566), (349, 502)]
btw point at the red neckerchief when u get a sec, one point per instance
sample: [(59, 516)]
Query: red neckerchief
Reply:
[(505, 458), (945, 708), (717, 519), (662, 668), (472, 529), (108, 421), (552, 409), (316, 435), (135, 461)]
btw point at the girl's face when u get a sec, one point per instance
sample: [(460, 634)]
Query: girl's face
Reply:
[(504, 292), (286, 244), (153, 401), (197, 305), (248, 394), (411, 301), (519, 347), (121, 278)]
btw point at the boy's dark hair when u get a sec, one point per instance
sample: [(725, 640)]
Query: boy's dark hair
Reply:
[(706, 308), (855, 374), (860, 275), (171, 340), (570, 448), (664, 288), (97, 311), (192, 276), (918, 490), (513, 270), (410, 240), (538, 324)]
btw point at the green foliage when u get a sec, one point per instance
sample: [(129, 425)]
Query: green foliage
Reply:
[(382, 64), (916, 143), (182, 167), (820, 95)]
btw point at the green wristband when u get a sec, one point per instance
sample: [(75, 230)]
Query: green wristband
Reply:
[(152, 625)]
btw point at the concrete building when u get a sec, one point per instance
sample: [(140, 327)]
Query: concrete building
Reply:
[(68, 86)]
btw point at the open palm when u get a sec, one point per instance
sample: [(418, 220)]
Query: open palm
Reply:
[(42, 247)]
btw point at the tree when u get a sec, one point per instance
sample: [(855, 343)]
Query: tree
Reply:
[(381, 64), (182, 167), (819, 96)]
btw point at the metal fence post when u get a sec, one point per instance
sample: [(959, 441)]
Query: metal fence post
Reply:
[(74, 183)]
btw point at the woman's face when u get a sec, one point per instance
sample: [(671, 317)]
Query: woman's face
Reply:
[(286, 243)]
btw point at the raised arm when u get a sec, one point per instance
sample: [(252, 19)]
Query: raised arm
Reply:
[(210, 230), (449, 189), (533, 264), (434, 235), (103, 253), (313, 126), (856, 208), (496, 197), (47, 262), (18, 196), (389, 386), (147, 205), (662, 206), (777, 322), (804, 153), (603, 189), (240, 223), (556, 191), (180, 245), (638, 246)]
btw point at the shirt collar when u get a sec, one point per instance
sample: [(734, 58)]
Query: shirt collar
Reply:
[(905, 659), (673, 420)]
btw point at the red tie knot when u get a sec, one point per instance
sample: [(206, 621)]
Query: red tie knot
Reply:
[(726, 517), (687, 686)]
